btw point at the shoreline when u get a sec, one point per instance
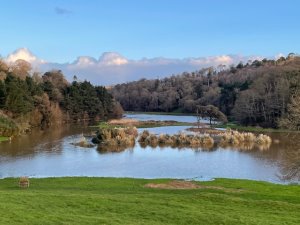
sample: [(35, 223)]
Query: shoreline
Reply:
[(205, 180)]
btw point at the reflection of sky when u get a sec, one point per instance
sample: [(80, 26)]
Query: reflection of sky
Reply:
[(145, 117), (166, 130), (60, 158), (141, 163)]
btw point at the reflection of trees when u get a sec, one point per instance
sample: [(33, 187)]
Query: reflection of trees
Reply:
[(41, 141), (291, 165), (102, 149), (290, 162)]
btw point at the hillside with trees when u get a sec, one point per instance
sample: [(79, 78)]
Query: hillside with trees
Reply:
[(35, 100), (262, 93)]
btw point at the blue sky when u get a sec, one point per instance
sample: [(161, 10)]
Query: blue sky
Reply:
[(149, 28), (124, 40)]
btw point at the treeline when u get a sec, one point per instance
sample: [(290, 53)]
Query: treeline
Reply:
[(41, 100), (257, 93)]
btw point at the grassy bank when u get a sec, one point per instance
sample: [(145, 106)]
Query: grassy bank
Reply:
[(3, 139), (141, 124), (8, 127), (174, 113), (235, 126), (128, 201)]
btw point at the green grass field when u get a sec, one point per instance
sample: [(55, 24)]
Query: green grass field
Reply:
[(127, 201)]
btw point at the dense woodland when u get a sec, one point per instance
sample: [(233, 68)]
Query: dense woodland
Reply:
[(34, 100), (264, 93)]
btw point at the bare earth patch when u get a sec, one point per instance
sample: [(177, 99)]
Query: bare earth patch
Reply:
[(180, 184)]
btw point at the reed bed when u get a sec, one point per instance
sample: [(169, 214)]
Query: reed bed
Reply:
[(122, 138), (239, 140), (245, 140), (116, 137), (177, 140)]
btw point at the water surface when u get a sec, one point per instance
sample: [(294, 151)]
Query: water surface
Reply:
[(50, 153)]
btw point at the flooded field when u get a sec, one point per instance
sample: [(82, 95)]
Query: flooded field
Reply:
[(51, 154)]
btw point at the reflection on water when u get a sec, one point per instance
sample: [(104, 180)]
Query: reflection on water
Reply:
[(145, 117), (289, 156), (50, 153)]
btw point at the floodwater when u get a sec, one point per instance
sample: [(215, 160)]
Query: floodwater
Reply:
[(50, 153)]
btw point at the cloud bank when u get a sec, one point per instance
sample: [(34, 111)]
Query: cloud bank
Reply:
[(113, 68)]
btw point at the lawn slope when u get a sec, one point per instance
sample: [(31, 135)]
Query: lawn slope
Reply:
[(128, 201)]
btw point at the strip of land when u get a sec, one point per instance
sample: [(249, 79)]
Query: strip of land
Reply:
[(4, 139), (84, 200)]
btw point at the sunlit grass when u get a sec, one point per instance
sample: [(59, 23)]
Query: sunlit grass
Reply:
[(126, 201)]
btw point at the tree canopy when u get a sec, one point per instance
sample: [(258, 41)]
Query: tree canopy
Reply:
[(255, 93), (42, 100)]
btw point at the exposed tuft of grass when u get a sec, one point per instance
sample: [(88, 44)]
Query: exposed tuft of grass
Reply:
[(115, 201), (4, 139)]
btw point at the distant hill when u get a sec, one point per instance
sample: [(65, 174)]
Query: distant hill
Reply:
[(256, 93)]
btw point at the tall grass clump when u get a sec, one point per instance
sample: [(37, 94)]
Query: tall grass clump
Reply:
[(114, 138), (249, 137), (235, 139), (230, 138), (263, 139), (245, 140), (207, 141), (176, 140), (152, 140), (144, 136)]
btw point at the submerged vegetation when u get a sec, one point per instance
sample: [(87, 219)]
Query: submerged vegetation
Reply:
[(115, 139), (84, 143), (121, 138), (243, 140), (177, 140)]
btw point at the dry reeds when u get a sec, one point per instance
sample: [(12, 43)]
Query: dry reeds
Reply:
[(123, 121), (245, 140), (263, 139), (177, 140), (207, 141), (126, 137), (116, 137), (144, 136)]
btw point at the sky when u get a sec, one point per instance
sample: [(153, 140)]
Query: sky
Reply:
[(125, 40)]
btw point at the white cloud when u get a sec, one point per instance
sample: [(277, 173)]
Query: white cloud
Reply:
[(112, 59), (85, 61), (113, 68), (279, 55), (24, 54)]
